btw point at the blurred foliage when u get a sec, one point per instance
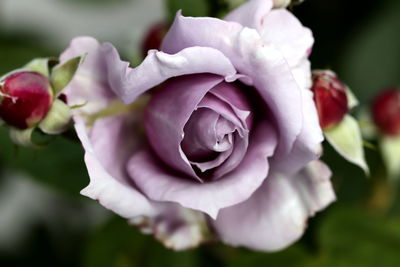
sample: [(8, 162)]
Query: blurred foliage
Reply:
[(360, 41), (59, 164), (194, 8)]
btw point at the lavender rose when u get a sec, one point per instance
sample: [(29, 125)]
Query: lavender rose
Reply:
[(218, 133)]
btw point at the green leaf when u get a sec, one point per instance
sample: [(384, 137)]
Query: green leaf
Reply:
[(119, 244), (346, 139), (41, 65), (57, 119), (350, 236), (62, 74), (59, 164), (295, 255), (390, 149)]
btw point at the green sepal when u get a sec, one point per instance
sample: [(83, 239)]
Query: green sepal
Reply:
[(63, 73), (346, 139), (41, 65), (352, 101), (23, 137), (390, 149), (57, 119)]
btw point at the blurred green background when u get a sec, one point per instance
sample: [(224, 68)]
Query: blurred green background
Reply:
[(45, 222)]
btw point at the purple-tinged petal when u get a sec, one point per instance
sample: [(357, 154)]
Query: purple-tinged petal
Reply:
[(176, 227), (237, 155), (222, 108), (271, 75), (113, 192), (200, 135), (237, 100), (167, 113), (157, 67), (251, 13), (308, 144), (276, 214), (89, 86), (284, 30), (160, 185), (208, 165)]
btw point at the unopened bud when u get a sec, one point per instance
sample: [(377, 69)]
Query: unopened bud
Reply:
[(26, 99), (330, 98)]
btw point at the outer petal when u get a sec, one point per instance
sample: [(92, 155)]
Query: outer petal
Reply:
[(285, 31), (278, 26), (275, 216), (252, 57), (176, 227), (113, 192), (159, 184), (251, 13), (90, 85), (157, 67), (308, 144)]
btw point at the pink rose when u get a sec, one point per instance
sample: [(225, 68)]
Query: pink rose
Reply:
[(228, 141)]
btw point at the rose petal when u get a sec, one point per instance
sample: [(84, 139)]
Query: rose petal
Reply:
[(168, 112), (308, 144), (89, 85), (115, 193), (251, 13), (212, 102), (157, 67), (200, 135), (240, 137), (176, 227), (275, 216), (302, 74), (252, 57), (235, 98), (285, 31), (158, 184), (278, 26)]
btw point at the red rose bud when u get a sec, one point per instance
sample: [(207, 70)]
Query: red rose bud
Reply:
[(386, 111), (26, 99), (154, 37), (330, 98)]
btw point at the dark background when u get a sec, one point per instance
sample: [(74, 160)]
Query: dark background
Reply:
[(45, 222)]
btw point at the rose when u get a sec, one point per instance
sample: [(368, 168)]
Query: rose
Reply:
[(233, 133)]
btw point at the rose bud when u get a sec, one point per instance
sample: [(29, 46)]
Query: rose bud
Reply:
[(330, 98), (26, 99), (386, 111), (153, 37)]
